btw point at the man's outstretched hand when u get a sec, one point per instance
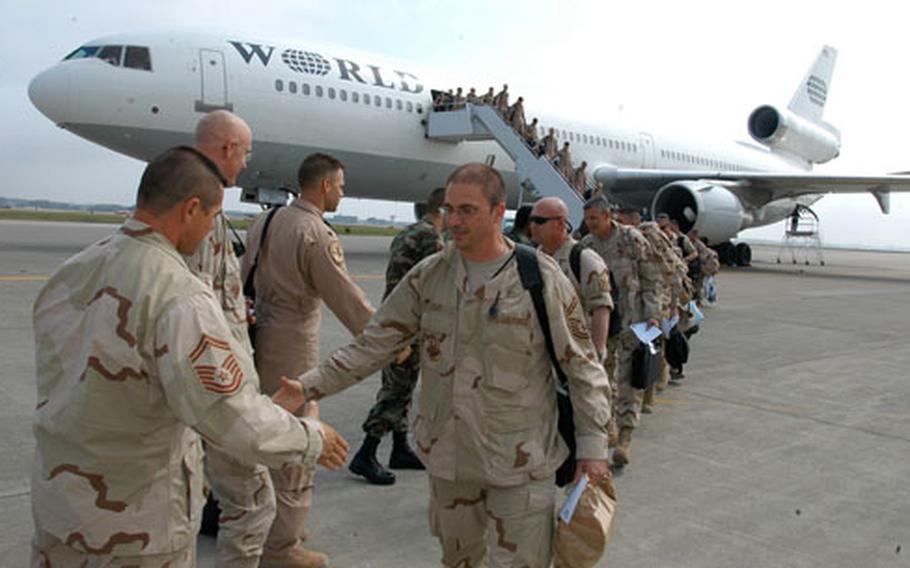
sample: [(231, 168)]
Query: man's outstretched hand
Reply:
[(289, 395), (335, 448)]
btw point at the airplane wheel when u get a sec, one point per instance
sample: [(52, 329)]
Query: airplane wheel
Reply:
[(726, 253), (743, 254)]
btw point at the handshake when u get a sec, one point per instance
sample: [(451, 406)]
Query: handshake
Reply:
[(290, 397)]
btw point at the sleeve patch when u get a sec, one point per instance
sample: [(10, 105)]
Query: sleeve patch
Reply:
[(215, 366), (336, 253)]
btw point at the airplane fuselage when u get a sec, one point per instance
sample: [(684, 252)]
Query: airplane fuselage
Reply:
[(368, 111)]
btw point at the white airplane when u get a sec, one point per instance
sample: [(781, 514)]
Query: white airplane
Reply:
[(139, 94)]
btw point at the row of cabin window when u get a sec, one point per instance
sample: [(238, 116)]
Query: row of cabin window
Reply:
[(683, 157), (355, 97), (591, 139)]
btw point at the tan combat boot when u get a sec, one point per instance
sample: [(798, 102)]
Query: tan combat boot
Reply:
[(622, 453), (612, 432), (297, 557), (647, 402)]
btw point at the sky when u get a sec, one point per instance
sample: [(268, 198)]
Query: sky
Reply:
[(680, 67)]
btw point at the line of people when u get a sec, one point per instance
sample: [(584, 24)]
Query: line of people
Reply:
[(514, 115), (143, 357)]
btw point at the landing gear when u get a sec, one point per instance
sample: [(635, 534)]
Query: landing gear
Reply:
[(743, 254), (734, 255)]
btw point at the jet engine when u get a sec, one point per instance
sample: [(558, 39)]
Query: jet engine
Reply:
[(712, 210), (783, 130)]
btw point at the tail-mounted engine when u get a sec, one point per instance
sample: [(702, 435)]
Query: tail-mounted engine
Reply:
[(783, 130)]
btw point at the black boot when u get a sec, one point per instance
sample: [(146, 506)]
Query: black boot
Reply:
[(403, 457), (365, 464)]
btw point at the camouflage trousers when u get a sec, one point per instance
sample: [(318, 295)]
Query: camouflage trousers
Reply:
[(627, 402), (497, 526), (49, 552), (390, 412), (247, 500)]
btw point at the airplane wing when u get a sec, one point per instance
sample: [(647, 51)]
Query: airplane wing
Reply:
[(758, 188)]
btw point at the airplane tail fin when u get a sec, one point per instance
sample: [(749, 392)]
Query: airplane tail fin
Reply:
[(809, 99)]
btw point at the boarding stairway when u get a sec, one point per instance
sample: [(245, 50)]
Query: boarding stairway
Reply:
[(537, 176)]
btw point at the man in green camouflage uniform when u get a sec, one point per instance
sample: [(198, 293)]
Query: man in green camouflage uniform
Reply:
[(390, 413), (636, 271), (134, 361), (486, 425)]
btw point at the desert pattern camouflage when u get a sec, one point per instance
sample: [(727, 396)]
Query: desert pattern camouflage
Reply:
[(217, 265), (594, 287), (637, 272), (488, 393), (134, 358), (245, 493), (521, 517), (390, 412), (486, 421)]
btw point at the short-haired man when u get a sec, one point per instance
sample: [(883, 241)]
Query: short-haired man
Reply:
[(300, 266), (244, 491), (134, 358), (636, 272), (390, 413), (486, 426)]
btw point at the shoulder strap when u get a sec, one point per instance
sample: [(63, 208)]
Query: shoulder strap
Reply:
[(575, 260), (239, 248), (249, 288), (532, 281)]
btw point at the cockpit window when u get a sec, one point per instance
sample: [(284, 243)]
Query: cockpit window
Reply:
[(111, 54), (137, 57), (83, 52)]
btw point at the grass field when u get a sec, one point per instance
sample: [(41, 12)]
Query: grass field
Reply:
[(114, 218)]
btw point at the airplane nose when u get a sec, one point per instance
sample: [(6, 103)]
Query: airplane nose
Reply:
[(49, 92)]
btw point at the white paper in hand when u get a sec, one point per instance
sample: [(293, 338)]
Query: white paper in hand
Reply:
[(568, 508)]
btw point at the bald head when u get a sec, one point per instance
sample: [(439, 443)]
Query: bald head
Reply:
[(550, 207), (549, 223), (226, 139)]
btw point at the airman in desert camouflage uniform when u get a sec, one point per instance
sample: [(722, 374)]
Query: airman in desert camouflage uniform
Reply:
[(134, 357), (247, 505), (486, 423), (549, 229), (390, 413), (636, 271)]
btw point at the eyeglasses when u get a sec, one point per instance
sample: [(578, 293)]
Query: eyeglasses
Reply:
[(462, 211), (538, 220)]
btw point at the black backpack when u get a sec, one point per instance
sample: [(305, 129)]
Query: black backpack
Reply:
[(532, 281), (615, 315)]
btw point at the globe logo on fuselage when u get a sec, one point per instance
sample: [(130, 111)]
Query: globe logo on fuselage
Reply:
[(305, 62)]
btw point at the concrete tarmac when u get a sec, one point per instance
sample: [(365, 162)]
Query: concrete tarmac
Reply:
[(787, 445)]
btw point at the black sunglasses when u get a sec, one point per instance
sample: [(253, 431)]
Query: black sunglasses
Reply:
[(538, 220)]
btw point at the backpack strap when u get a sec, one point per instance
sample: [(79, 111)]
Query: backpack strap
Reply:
[(249, 288), (575, 260), (532, 281)]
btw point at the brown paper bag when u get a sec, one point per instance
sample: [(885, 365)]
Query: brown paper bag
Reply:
[(582, 542)]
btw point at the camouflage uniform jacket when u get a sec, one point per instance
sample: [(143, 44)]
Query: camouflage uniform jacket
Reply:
[(217, 265), (487, 405), (636, 270), (670, 263), (133, 358), (594, 287), (413, 244)]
